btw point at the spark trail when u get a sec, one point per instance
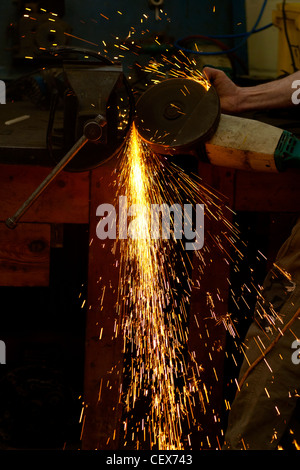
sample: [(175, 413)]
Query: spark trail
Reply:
[(154, 294)]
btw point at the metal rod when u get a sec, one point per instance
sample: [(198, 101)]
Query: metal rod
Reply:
[(11, 222)]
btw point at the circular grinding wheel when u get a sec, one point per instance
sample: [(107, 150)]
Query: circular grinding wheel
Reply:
[(177, 115)]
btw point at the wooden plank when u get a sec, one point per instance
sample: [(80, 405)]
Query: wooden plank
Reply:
[(263, 192), (66, 200), (103, 353), (25, 255)]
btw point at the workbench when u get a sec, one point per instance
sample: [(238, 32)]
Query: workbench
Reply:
[(72, 198)]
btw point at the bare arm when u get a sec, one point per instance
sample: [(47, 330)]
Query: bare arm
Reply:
[(234, 99)]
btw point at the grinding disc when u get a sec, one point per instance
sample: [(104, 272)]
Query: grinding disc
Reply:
[(177, 115)]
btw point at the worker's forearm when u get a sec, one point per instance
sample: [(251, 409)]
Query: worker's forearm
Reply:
[(275, 94)]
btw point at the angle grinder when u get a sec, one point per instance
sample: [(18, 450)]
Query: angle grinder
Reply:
[(180, 115)]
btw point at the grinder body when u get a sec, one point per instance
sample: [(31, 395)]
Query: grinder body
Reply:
[(244, 144)]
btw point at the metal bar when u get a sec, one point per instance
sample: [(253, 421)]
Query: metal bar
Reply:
[(11, 222)]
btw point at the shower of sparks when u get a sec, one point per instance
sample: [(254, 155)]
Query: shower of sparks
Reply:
[(165, 391), (152, 311), (154, 336)]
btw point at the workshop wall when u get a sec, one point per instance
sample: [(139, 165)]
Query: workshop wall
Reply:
[(6, 17), (262, 47), (177, 20), (100, 22)]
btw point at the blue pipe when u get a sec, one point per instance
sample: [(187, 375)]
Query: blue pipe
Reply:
[(229, 36)]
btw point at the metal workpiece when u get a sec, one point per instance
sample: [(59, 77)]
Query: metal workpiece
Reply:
[(177, 115)]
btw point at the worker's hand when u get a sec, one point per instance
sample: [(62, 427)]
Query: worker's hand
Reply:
[(228, 92)]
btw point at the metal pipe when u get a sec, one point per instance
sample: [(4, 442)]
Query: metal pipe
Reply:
[(11, 222), (93, 132)]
